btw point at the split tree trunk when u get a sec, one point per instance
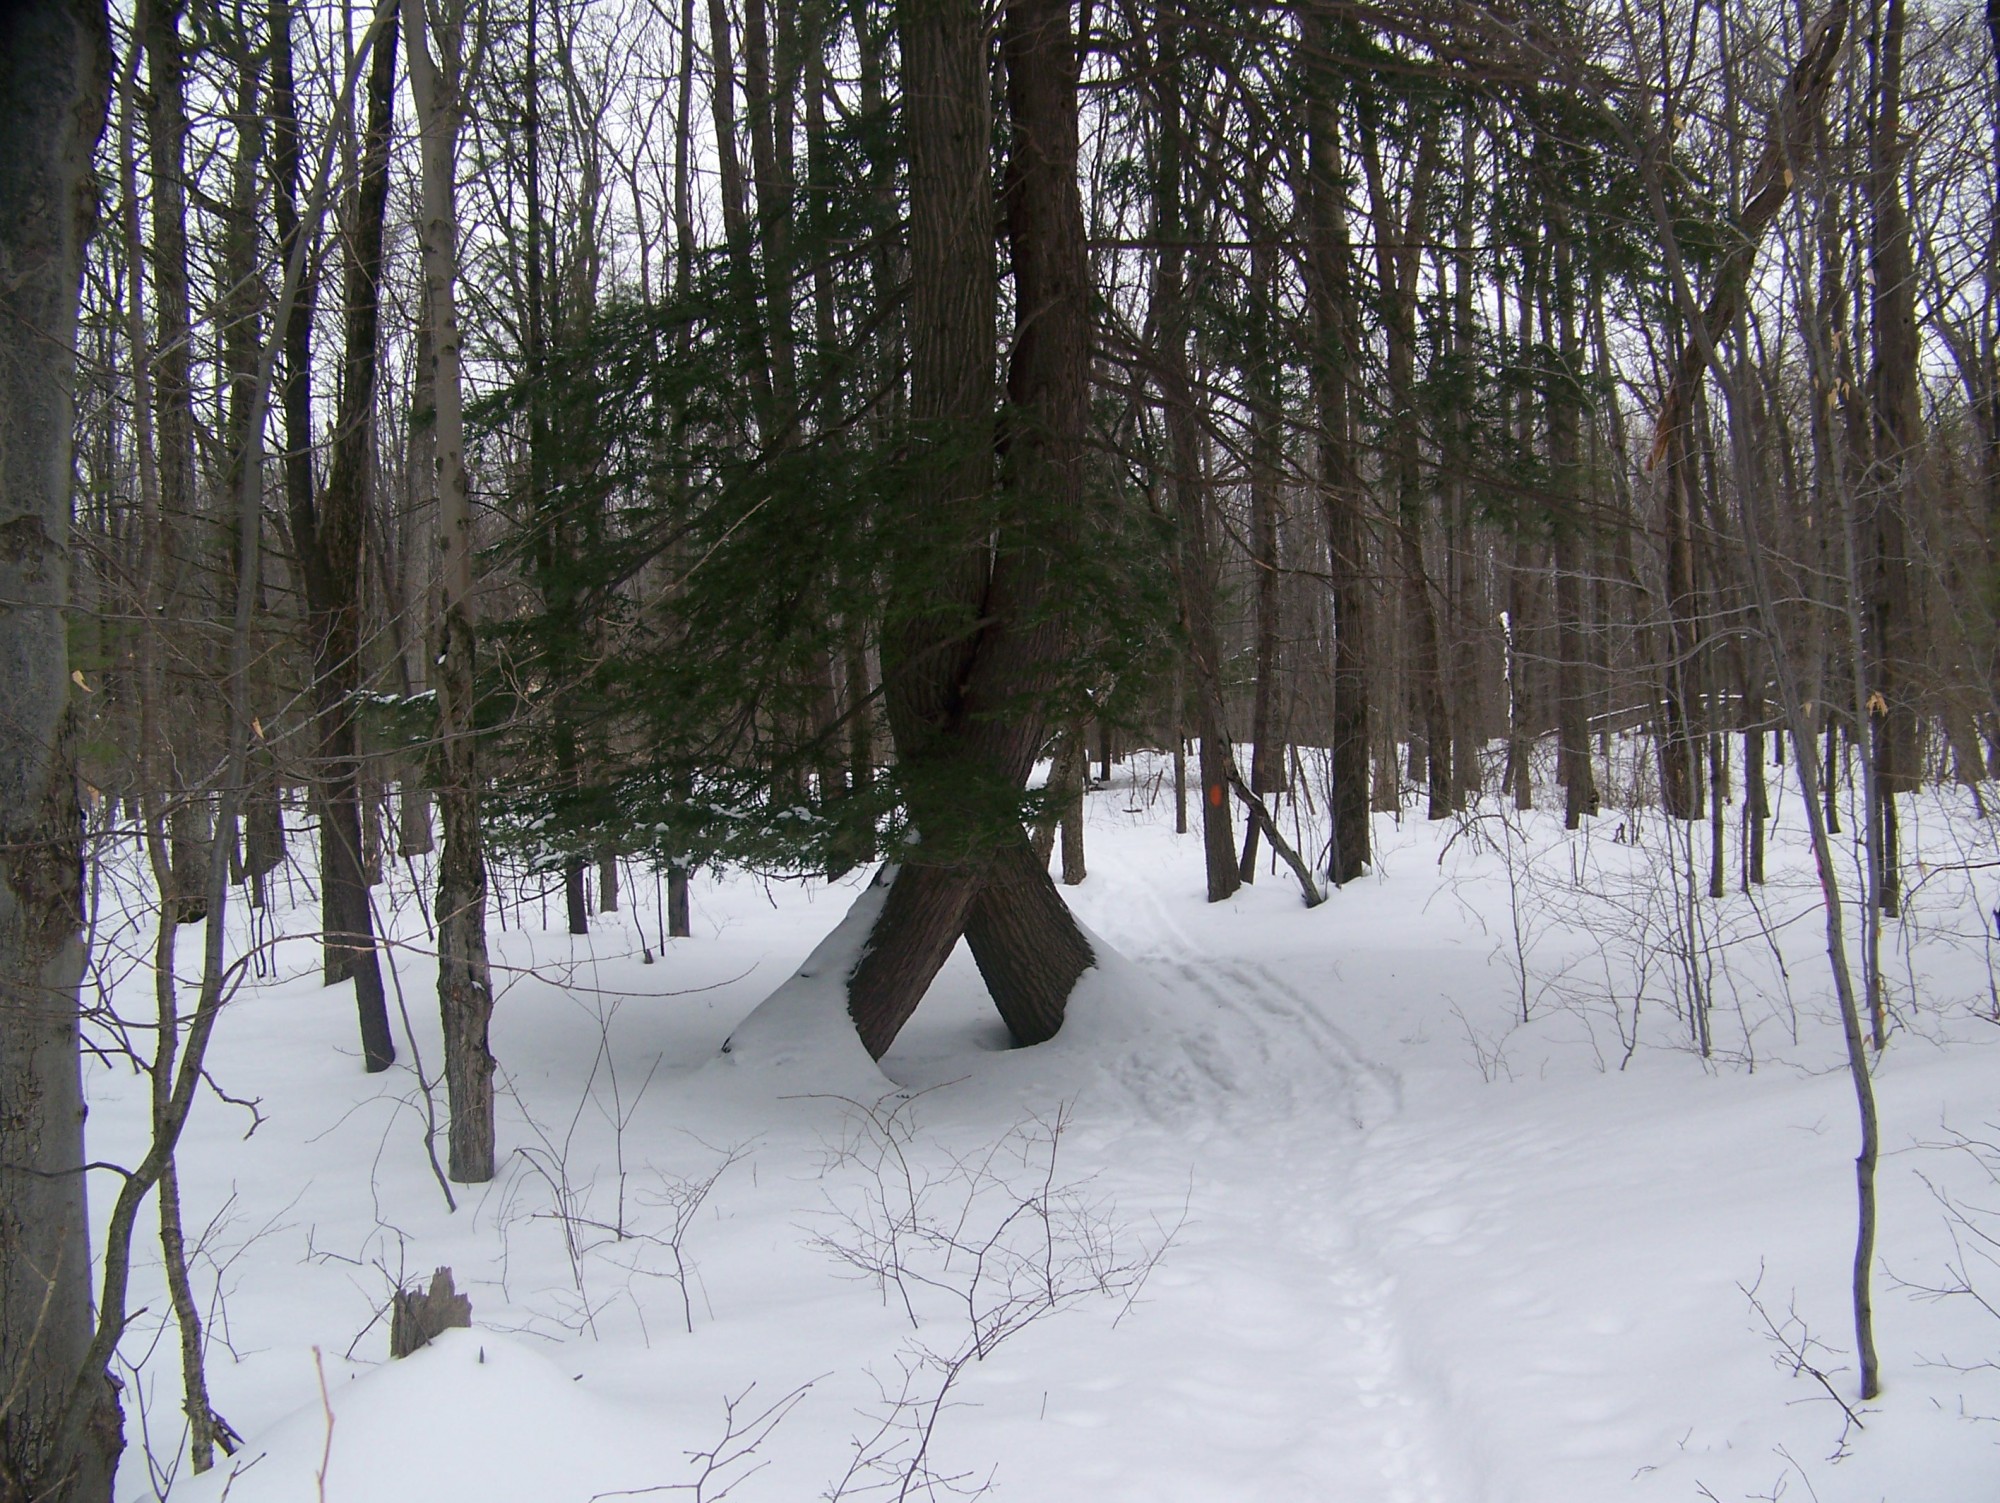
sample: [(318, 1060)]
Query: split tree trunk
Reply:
[(964, 702), (1026, 943)]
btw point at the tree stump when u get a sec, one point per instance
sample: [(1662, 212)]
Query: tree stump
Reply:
[(419, 1315)]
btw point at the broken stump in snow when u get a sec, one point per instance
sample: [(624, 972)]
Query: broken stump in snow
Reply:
[(419, 1315)]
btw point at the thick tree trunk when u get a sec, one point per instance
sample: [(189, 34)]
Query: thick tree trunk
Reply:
[(913, 936), (940, 573), (963, 703), (55, 64), (1026, 943)]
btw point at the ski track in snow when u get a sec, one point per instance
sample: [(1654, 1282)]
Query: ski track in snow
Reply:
[(1308, 1342)]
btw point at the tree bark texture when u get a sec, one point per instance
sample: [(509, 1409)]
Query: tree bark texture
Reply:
[(55, 65), (1027, 945), (465, 983), (971, 642)]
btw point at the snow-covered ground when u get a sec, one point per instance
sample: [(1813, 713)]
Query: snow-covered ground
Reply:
[(1296, 1207)]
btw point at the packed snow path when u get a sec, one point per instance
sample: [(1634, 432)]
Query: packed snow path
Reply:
[(1290, 1370), (1413, 1250)]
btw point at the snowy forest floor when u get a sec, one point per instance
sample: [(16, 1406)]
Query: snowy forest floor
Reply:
[(1425, 1194)]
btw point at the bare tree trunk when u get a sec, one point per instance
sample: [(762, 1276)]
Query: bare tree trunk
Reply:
[(465, 985), (1267, 751), (1756, 794), (1330, 282), (327, 537), (1565, 402), (178, 558), (920, 922), (410, 580), (1520, 678), (1896, 434), (1398, 260), (963, 707), (678, 916), (1068, 772), (927, 655), (737, 233), (1192, 503), (1070, 823), (55, 65), (1180, 747)]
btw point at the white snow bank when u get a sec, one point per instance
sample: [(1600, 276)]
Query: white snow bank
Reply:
[(473, 1416), (804, 1026)]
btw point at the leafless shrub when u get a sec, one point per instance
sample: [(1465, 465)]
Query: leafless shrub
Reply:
[(1798, 1351), (982, 1244), (721, 1467), (1972, 1272)]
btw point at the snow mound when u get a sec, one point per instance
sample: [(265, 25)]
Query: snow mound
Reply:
[(474, 1415), (803, 1027)]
